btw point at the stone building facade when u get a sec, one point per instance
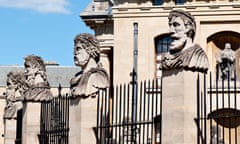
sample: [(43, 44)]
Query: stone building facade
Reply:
[(112, 21), (217, 24)]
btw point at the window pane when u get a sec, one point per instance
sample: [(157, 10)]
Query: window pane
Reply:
[(163, 45), (157, 2), (179, 2)]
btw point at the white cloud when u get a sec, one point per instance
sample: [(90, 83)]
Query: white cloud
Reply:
[(44, 6)]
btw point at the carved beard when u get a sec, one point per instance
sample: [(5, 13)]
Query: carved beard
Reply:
[(178, 42), (81, 59), (81, 63), (30, 79), (35, 78)]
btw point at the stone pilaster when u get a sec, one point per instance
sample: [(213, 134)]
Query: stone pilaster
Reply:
[(82, 120), (31, 122), (10, 131), (179, 91)]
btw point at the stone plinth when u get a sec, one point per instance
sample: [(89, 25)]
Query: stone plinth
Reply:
[(82, 120), (179, 91), (31, 122), (10, 131)]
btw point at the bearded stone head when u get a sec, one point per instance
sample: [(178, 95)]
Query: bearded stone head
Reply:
[(86, 46), (182, 27)]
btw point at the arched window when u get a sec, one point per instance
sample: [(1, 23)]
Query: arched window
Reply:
[(162, 44)]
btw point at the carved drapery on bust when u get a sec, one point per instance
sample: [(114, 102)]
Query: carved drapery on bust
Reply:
[(15, 83), (183, 54), (92, 77), (36, 78), (226, 63)]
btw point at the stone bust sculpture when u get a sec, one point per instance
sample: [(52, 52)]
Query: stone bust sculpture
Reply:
[(15, 83), (36, 79), (184, 54), (92, 77), (226, 63)]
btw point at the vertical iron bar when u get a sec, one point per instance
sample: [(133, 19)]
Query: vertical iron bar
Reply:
[(217, 106), (120, 112), (107, 91), (59, 132), (235, 106), (60, 129), (112, 122), (116, 113), (101, 119), (229, 103), (205, 110), (161, 112), (223, 90), (55, 119), (41, 125), (211, 108), (128, 112), (198, 110), (68, 104), (140, 112), (98, 109), (49, 123), (148, 110), (105, 117), (144, 111), (152, 115), (124, 114), (156, 109)]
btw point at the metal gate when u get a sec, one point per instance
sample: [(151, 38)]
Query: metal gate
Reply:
[(116, 121), (218, 111), (54, 126)]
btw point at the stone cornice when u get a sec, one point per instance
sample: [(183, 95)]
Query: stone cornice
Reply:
[(163, 11)]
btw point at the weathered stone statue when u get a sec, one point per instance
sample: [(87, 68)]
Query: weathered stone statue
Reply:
[(15, 83), (92, 77), (36, 78), (226, 63), (216, 135), (184, 54)]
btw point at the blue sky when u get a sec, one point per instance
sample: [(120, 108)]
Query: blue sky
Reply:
[(40, 27)]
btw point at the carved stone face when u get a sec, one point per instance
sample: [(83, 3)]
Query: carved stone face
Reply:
[(10, 88), (81, 57), (178, 32), (227, 46), (29, 69)]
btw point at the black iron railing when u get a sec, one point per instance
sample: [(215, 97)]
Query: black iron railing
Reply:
[(218, 110), (54, 126), (115, 117)]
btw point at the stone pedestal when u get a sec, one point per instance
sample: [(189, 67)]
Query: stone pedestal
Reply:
[(82, 120), (179, 100), (10, 131), (31, 122)]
